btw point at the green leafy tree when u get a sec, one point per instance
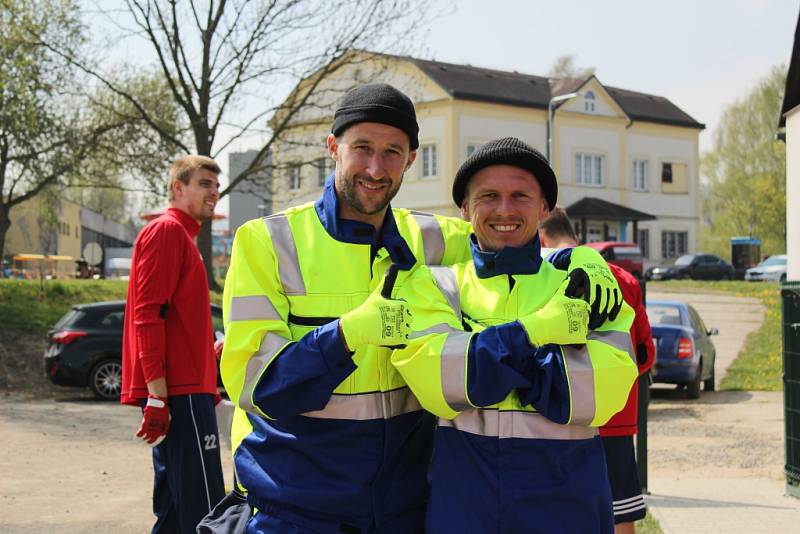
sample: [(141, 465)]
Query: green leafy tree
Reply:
[(746, 170), (40, 130), (57, 130), (128, 161)]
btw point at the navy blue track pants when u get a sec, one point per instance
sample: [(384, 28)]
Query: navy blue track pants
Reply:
[(188, 472)]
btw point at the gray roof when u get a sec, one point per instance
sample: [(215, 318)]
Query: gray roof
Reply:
[(791, 97), (513, 88)]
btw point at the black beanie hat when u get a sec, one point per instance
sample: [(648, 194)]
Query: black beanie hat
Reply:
[(507, 151), (377, 102)]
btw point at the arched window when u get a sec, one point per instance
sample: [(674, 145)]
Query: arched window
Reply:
[(588, 102)]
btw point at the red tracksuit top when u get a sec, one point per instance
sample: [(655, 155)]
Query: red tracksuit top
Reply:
[(168, 330), (624, 422)]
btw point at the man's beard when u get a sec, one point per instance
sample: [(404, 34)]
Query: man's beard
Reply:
[(348, 191)]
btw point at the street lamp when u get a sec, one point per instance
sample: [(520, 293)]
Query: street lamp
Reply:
[(550, 105)]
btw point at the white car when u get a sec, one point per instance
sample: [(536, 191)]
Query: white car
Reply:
[(772, 269)]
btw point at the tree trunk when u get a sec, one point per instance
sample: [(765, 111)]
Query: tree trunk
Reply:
[(204, 244), (5, 224)]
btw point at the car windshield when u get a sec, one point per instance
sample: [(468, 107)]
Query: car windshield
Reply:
[(684, 260), (774, 260), (663, 314)]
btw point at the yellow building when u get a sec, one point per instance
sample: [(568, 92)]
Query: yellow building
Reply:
[(43, 226), (627, 162)]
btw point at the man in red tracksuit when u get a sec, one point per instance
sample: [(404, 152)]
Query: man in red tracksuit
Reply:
[(168, 363), (556, 232)]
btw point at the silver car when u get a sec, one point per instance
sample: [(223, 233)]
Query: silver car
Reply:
[(772, 269)]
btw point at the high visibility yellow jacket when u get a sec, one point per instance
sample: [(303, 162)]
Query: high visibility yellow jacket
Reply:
[(516, 444), (325, 438)]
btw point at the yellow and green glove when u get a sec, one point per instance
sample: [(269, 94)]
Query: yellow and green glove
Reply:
[(591, 279), (378, 321), (563, 320)]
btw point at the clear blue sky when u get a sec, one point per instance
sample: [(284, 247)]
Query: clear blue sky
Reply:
[(701, 54)]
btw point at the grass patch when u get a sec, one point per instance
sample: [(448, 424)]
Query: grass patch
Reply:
[(31, 307), (759, 365), (648, 525)]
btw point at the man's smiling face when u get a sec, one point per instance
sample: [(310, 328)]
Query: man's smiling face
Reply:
[(504, 204), (370, 161)]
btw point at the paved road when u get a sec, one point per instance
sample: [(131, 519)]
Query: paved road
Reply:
[(716, 465)]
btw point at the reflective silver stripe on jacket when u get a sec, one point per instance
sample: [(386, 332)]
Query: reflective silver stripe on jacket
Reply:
[(253, 308), (440, 328), (270, 346), (618, 340), (454, 370), (366, 406), (432, 237), (286, 252), (581, 384), (445, 280), (513, 424)]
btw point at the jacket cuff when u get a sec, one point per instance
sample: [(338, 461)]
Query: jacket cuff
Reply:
[(332, 347)]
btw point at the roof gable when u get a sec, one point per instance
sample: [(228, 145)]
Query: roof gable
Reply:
[(593, 92)]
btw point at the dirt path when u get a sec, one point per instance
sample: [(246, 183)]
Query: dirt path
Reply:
[(716, 464), (71, 465)]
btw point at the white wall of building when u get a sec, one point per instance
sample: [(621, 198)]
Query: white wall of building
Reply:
[(793, 193)]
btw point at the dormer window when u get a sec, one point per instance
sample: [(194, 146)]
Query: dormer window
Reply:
[(588, 102)]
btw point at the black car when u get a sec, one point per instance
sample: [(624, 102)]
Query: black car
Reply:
[(694, 266), (86, 347)]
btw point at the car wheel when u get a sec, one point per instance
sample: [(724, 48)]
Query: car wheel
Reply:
[(708, 384), (693, 387), (105, 380)]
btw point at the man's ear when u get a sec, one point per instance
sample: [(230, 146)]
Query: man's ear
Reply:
[(333, 146), (465, 210), (412, 156), (176, 188)]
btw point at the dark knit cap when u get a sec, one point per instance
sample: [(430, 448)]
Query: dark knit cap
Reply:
[(377, 102), (507, 151)]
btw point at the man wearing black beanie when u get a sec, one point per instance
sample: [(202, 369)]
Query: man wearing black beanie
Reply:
[(328, 438), (505, 352)]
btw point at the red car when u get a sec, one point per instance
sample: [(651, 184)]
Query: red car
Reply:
[(628, 256)]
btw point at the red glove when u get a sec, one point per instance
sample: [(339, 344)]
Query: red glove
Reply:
[(217, 398), (155, 419)]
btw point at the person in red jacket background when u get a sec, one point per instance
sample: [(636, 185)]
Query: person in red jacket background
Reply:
[(168, 363), (556, 232)]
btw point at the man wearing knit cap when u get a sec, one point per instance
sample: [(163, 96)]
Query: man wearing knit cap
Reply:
[(327, 437), (519, 368)]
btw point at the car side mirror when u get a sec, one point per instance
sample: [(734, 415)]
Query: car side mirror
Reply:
[(713, 332)]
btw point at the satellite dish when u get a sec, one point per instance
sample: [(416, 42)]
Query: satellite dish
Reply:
[(93, 253)]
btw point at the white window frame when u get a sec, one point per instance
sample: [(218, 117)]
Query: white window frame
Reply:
[(295, 180), (640, 174), (589, 102), (429, 164), (596, 166)]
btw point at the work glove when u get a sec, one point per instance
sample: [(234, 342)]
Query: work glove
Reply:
[(218, 344), (380, 320), (563, 320), (591, 279), (155, 419)]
